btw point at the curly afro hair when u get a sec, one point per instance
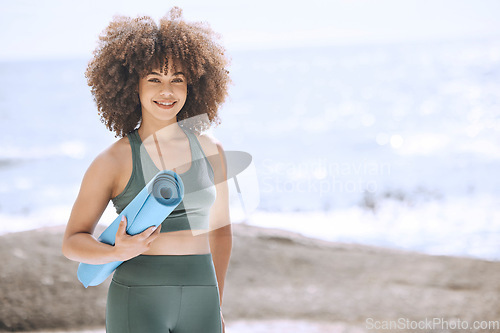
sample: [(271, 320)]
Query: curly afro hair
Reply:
[(130, 48)]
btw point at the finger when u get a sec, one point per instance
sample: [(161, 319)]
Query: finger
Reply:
[(122, 227), (156, 232), (153, 235), (149, 231)]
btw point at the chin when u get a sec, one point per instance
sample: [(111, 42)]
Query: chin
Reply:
[(165, 116)]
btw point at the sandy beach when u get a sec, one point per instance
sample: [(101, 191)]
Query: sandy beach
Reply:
[(278, 281)]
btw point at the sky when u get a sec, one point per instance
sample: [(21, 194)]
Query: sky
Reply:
[(35, 29)]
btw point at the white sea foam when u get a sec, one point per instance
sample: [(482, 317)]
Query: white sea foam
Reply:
[(75, 149), (441, 227)]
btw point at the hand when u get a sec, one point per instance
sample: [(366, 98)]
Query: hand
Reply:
[(128, 246), (223, 324)]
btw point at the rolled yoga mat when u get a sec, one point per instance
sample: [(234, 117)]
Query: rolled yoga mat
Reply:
[(150, 207)]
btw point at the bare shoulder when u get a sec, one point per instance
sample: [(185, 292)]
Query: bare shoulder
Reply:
[(210, 145), (214, 151), (97, 188), (109, 164), (114, 155), (118, 151)]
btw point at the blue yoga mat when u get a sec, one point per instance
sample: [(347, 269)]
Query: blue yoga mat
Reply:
[(150, 207)]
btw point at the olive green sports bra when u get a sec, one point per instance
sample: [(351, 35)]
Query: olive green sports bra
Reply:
[(199, 189)]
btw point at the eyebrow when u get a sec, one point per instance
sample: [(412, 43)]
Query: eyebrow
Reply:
[(175, 74)]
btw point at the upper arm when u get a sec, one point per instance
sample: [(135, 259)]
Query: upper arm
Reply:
[(219, 212), (94, 195)]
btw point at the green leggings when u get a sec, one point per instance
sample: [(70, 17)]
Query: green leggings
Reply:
[(164, 294)]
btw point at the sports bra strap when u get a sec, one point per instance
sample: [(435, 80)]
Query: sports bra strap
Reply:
[(197, 154), (135, 144), (197, 151)]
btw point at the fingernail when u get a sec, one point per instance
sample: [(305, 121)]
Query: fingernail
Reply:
[(123, 218), (154, 228)]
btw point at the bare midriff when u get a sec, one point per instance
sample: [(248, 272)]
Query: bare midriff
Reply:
[(180, 243)]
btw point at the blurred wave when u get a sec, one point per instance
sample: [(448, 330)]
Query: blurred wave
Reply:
[(331, 129)]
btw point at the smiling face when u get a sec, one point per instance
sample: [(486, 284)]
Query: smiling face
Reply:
[(162, 95)]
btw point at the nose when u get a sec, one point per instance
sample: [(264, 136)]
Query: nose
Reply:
[(166, 89)]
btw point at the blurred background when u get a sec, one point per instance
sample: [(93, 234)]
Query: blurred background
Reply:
[(371, 122)]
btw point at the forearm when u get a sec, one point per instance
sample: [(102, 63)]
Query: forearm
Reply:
[(83, 247), (221, 242)]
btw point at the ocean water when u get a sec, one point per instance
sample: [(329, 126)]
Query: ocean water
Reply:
[(394, 145)]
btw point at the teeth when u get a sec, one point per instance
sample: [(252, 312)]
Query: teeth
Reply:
[(166, 104)]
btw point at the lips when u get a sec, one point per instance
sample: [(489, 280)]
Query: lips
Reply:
[(165, 104)]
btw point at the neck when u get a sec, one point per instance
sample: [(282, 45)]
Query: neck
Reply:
[(164, 130)]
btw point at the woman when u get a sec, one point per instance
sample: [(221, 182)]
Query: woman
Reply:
[(148, 80)]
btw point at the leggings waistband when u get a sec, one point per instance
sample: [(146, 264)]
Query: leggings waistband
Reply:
[(167, 270)]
